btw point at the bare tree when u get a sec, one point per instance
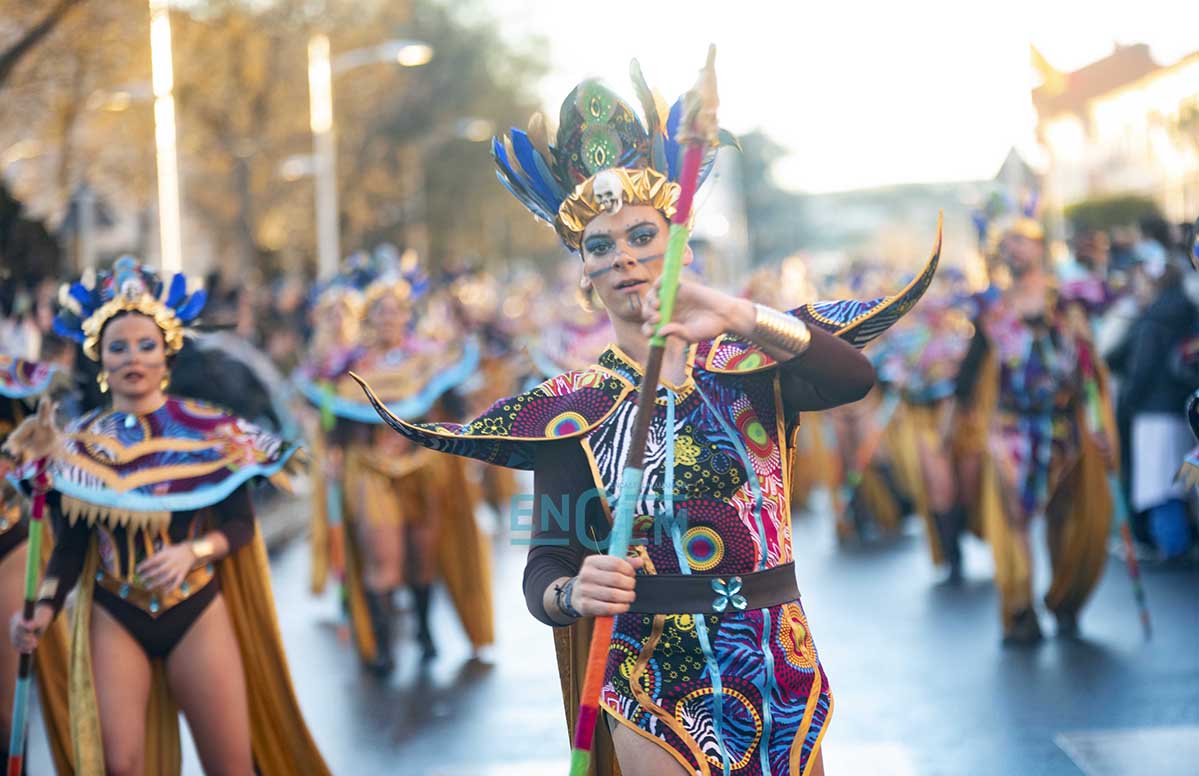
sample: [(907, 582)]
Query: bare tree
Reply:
[(12, 56)]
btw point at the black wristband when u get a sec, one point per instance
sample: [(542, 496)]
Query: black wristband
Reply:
[(562, 599)]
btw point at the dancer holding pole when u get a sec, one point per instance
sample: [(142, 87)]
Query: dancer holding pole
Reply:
[(711, 666)]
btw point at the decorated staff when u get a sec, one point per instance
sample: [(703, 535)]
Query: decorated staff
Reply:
[(709, 666), (38, 442)]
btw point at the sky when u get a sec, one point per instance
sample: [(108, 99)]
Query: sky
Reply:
[(861, 93)]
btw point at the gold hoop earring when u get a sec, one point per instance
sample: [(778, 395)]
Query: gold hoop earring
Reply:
[(102, 381)]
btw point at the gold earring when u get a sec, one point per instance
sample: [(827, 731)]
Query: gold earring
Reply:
[(102, 380), (166, 380)]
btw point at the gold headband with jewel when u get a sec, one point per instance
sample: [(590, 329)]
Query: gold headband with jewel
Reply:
[(86, 306), (163, 316), (646, 186)]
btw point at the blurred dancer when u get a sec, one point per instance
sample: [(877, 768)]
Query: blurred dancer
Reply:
[(712, 667), (408, 516), (926, 356), (155, 529), (1022, 392)]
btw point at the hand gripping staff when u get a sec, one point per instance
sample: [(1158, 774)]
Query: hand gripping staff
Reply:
[(697, 133)]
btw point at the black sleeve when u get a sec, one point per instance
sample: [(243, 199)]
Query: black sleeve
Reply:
[(971, 368), (66, 561), (235, 519), (561, 482), (831, 372)]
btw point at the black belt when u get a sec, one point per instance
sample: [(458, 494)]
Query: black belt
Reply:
[(715, 593)]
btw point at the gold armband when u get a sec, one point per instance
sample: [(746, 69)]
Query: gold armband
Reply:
[(203, 550), (780, 330)]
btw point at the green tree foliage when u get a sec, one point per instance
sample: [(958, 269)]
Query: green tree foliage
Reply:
[(241, 86), (1113, 211)]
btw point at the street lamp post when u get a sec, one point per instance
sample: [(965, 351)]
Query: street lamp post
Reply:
[(163, 79), (321, 69)]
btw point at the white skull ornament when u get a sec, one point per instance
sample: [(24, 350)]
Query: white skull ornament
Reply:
[(608, 192)]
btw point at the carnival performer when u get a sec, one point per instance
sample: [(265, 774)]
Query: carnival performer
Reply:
[(712, 667), (1022, 417), (922, 362), (408, 515), (21, 382), (336, 313), (155, 531)]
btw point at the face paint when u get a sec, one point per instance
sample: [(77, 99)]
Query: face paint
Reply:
[(646, 260)]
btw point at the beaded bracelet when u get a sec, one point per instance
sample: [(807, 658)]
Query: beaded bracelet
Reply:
[(562, 599)]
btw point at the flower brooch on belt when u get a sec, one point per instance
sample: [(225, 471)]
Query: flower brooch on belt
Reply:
[(728, 594)]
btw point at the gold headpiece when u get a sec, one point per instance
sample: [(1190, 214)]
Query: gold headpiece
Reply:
[(617, 187), (1023, 226), (88, 305)]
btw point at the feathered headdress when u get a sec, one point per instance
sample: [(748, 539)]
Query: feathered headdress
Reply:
[(364, 278), (1001, 216), (87, 305), (603, 156)]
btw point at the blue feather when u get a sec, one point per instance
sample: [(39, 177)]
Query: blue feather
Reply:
[(193, 306), (512, 182), (81, 295), (178, 290), (521, 196), (527, 155), (673, 149), (64, 327)]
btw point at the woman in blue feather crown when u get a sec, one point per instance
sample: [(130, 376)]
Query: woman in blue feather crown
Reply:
[(155, 529), (712, 668)]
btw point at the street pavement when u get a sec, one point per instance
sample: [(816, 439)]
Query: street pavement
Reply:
[(921, 683)]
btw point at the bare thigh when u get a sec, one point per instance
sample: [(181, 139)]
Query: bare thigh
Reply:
[(383, 554), (938, 477), (121, 672), (422, 550), (207, 681), (638, 756), (12, 599)]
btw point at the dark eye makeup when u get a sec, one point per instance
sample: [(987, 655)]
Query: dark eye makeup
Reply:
[(145, 345)]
